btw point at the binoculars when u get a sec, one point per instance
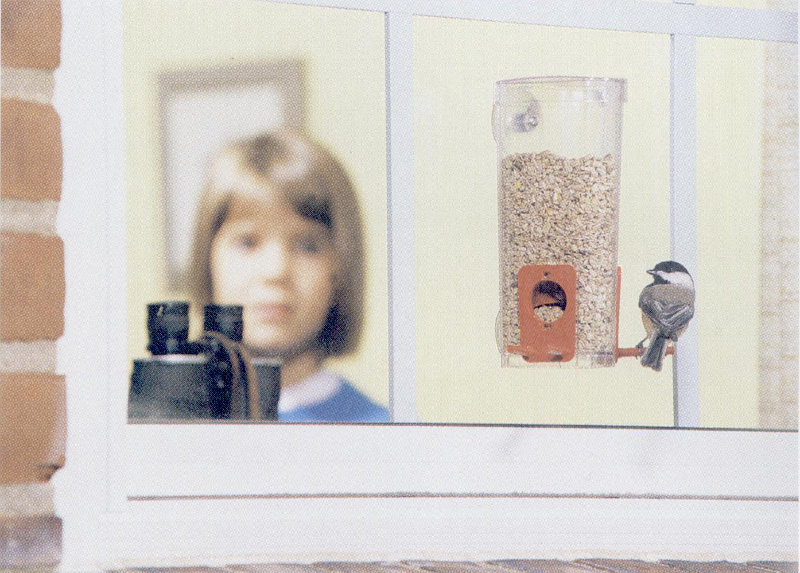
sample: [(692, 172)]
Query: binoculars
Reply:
[(213, 377)]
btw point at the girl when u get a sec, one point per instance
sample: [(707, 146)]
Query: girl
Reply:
[(278, 231)]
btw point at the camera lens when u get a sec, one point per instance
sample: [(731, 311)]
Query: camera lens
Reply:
[(168, 327), (225, 319)]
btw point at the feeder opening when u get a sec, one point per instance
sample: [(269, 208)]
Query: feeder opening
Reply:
[(549, 301)]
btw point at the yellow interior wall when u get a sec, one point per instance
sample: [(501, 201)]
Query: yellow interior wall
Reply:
[(343, 54), (729, 159), (459, 378)]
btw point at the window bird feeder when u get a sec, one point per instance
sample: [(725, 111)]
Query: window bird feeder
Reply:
[(558, 142)]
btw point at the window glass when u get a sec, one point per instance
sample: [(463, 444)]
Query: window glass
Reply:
[(746, 307), (199, 74), (747, 226), (459, 377)]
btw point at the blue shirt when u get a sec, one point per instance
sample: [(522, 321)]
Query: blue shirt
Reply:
[(346, 404)]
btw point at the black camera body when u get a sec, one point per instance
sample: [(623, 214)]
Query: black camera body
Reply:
[(210, 378)]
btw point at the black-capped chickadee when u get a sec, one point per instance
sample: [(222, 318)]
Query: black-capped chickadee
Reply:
[(667, 307)]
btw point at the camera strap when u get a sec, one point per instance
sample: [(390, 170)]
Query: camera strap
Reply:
[(242, 370)]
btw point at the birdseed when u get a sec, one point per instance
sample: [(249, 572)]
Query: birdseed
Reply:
[(559, 210), (548, 313)]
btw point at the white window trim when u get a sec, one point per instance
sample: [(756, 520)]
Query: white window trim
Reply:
[(193, 494)]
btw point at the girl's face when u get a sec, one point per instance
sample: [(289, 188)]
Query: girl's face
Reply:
[(279, 266)]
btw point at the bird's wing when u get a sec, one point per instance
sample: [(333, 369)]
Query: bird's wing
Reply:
[(669, 317)]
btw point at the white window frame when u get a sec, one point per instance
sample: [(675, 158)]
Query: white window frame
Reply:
[(203, 494)]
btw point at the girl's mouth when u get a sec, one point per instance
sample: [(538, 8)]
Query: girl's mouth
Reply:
[(272, 311)]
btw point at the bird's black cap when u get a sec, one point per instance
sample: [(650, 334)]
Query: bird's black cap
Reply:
[(669, 267)]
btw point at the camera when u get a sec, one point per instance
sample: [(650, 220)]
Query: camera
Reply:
[(213, 377)]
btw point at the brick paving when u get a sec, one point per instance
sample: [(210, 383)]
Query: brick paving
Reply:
[(497, 566)]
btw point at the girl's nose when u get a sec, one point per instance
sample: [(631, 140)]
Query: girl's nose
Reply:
[(273, 261)]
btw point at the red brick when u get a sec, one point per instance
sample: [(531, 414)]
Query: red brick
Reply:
[(367, 567), (276, 568), (711, 567), (32, 288), (31, 34), (32, 427), (776, 566), (31, 153), (190, 569), (543, 566), (455, 567), (628, 566)]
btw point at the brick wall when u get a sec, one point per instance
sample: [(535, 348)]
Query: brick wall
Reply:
[(32, 394), (779, 242)]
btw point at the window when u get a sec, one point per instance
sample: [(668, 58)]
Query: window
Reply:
[(145, 494)]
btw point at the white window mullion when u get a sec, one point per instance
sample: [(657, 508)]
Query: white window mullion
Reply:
[(683, 216), (622, 15), (400, 169)]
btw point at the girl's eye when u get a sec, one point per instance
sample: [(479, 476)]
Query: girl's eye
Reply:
[(245, 241), (308, 245), (312, 242)]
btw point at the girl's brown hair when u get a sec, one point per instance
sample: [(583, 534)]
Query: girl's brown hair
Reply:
[(288, 165)]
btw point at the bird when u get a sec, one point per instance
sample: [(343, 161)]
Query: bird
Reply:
[(667, 306)]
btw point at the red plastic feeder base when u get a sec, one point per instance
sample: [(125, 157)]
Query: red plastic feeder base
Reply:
[(542, 341)]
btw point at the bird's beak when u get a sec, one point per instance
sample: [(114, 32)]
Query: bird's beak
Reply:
[(651, 272)]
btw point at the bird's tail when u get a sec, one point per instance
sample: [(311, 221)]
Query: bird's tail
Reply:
[(654, 355)]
